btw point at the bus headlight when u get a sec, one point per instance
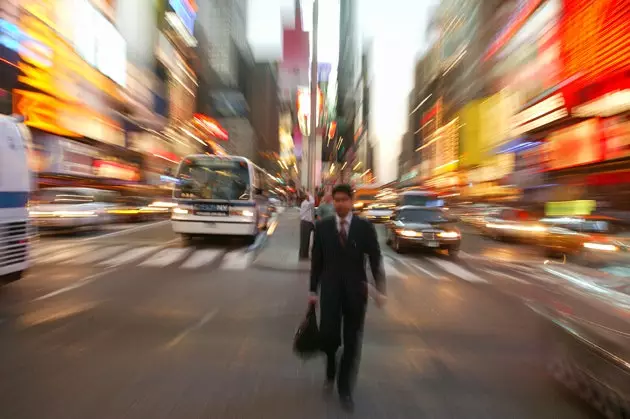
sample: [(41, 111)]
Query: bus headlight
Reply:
[(180, 211), (242, 213)]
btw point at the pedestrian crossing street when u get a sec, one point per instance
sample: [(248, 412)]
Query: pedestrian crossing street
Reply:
[(438, 268), (143, 256)]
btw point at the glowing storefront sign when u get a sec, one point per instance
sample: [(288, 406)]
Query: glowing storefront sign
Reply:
[(304, 108), (539, 115), (50, 66), (186, 11), (595, 38), (574, 146)]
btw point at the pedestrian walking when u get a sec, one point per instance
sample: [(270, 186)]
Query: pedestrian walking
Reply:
[(326, 208), (338, 273), (307, 214)]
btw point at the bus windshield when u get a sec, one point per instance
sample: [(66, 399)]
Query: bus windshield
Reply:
[(210, 178)]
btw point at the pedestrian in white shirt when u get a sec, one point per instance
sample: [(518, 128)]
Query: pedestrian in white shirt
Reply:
[(307, 210)]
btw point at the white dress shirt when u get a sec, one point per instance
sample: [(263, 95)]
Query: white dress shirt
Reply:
[(348, 219), (307, 209)]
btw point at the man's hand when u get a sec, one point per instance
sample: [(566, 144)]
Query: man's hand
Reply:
[(313, 298)]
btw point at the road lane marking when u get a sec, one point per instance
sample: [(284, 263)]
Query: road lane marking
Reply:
[(237, 260), (97, 255), (64, 255), (205, 319), (125, 231), (458, 271), (508, 276), (41, 250), (389, 268), (87, 280), (166, 257), (201, 258), (415, 267), (130, 256)]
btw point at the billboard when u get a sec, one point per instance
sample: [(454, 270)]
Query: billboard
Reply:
[(595, 38), (574, 146)]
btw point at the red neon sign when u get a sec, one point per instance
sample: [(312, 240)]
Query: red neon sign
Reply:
[(211, 125), (595, 38)]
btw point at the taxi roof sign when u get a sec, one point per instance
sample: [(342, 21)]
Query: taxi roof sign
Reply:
[(568, 208)]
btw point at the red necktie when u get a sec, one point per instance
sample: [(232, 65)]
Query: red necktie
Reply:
[(343, 236)]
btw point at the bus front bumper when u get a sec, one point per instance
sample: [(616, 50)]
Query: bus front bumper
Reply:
[(219, 228)]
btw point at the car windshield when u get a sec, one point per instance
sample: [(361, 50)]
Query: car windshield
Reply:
[(422, 216), (422, 200), (61, 197), (209, 178)]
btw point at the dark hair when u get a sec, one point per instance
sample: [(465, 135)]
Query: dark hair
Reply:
[(343, 188)]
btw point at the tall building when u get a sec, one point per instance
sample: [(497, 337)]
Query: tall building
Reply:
[(234, 90), (347, 77)]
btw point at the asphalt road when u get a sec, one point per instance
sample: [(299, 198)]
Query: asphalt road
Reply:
[(131, 324)]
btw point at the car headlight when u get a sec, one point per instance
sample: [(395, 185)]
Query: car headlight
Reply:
[(601, 246), (407, 233), (68, 214), (448, 234)]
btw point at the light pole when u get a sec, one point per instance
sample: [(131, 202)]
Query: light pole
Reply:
[(312, 141)]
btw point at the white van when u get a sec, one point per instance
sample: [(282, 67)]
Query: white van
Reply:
[(15, 187), (219, 195)]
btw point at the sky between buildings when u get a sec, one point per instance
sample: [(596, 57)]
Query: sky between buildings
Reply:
[(397, 30)]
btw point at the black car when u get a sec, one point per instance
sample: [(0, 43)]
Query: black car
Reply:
[(423, 227)]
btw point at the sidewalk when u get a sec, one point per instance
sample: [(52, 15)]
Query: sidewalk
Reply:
[(281, 250)]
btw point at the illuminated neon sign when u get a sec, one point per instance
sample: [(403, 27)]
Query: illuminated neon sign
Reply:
[(186, 10), (595, 38)]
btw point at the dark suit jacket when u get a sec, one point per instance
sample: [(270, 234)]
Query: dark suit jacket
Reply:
[(334, 265)]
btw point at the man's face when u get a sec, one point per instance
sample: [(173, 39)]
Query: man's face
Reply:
[(343, 203)]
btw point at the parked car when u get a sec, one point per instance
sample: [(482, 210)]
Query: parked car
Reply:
[(422, 227), (71, 208)]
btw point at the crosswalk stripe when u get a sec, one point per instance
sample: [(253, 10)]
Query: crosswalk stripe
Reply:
[(201, 258), (416, 267), (97, 255), (166, 257), (505, 275), (458, 271), (389, 268), (237, 260), (39, 250), (63, 255), (130, 256)]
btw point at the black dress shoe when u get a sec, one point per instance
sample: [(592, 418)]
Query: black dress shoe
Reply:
[(347, 403)]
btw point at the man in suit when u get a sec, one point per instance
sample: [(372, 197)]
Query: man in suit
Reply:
[(338, 273)]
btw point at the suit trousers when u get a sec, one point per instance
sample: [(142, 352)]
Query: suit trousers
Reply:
[(343, 310), (306, 228)]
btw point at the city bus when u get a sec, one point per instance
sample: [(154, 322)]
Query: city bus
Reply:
[(15, 187), (219, 195)]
